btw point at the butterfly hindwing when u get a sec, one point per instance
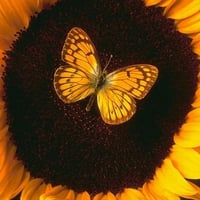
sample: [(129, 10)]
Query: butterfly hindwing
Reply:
[(115, 105), (135, 80), (79, 51), (72, 84)]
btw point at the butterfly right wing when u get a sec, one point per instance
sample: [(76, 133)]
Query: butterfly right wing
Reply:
[(72, 84)]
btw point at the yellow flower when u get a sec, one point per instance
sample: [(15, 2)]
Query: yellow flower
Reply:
[(172, 179)]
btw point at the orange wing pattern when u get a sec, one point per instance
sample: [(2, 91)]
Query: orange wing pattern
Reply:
[(78, 80), (116, 99), (136, 80), (115, 105), (72, 84), (79, 51)]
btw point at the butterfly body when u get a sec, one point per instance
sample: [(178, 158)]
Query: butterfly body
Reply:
[(82, 77)]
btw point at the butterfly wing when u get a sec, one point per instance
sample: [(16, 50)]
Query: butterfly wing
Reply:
[(115, 105), (72, 84), (78, 79), (116, 97), (79, 51)]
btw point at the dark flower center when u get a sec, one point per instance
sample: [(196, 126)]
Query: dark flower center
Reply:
[(64, 144)]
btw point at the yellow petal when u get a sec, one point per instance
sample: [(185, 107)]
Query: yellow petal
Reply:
[(108, 196), (70, 195), (196, 103), (8, 13), (154, 191), (188, 135), (196, 38), (4, 42), (187, 161), (165, 3), (194, 115), (15, 181), (180, 9), (190, 25), (24, 182), (57, 192), (195, 196), (3, 152), (3, 133), (3, 122), (98, 196), (129, 194), (83, 196), (9, 161), (33, 190), (151, 2), (171, 180), (196, 49)]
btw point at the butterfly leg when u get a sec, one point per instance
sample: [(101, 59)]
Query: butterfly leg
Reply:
[(90, 103)]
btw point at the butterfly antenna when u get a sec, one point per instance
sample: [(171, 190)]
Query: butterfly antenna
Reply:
[(107, 63)]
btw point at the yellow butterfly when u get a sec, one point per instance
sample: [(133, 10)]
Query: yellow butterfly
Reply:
[(83, 76)]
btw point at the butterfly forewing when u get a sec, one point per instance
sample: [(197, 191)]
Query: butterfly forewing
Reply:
[(79, 51), (77, 79), (135, 80)]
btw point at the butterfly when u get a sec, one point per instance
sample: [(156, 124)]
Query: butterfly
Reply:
[(82, 76)]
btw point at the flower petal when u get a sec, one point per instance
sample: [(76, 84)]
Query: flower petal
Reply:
[(190, 24), (151, 2), (98, 196), (15, 181), (165, 3), (108, 196), (33, 190), (170, 179), (188, 135), (194, 115), (196, 103), (154, 191), (70, 195), (83, 196), (129, 194), (196, 49), (9, 161), (57, 192), (3, 150), (187, 161), (180, 9)]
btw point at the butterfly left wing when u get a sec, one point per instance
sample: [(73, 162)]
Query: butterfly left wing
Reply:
[(116, 97)]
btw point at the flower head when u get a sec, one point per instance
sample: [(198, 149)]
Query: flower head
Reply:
[(62, 144)]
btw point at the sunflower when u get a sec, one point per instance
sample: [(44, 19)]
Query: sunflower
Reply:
[(52, 150)]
